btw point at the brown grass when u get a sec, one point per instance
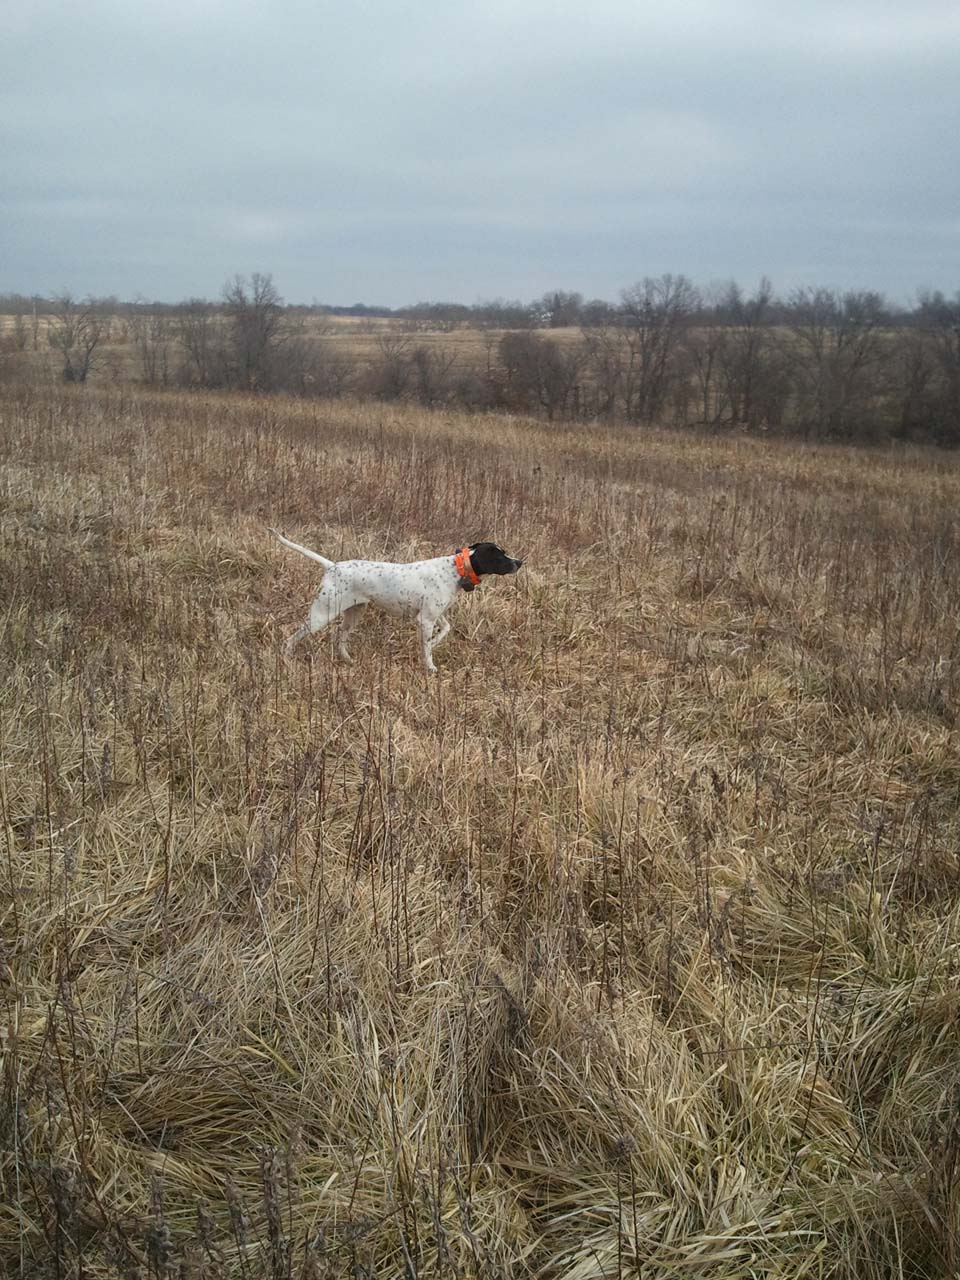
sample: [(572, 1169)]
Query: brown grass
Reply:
[(628, 942)]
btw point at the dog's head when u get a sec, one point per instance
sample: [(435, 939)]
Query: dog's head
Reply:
[(487, 557)]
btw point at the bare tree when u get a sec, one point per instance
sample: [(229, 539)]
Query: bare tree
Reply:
[(257, 328), (151, 331), (499, 313), (655, 313), (197, 329), (747, 352), (597, 313), (838, 341), (560, 310), (916, 386), (76, 330), (706, 353), (940, 330), (604, 356)]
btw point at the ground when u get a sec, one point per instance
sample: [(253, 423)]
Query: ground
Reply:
[(631, 938)]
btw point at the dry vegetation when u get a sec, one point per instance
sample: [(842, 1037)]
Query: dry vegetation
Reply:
[(821, 365), (628, 943), (355, 343)]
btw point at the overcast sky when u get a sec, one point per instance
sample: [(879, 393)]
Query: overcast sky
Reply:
[(390, 152)]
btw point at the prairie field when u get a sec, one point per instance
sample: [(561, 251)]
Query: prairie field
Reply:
[(627, 945)]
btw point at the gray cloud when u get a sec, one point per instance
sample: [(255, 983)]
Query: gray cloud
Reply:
[(390, 152)]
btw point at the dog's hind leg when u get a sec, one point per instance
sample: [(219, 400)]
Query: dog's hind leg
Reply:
[(348, 621), (294, 640), (324, 610)]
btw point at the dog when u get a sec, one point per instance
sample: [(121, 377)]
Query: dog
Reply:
[(424, 589)]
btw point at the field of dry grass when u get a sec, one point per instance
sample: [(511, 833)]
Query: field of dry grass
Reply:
[(629, 944)]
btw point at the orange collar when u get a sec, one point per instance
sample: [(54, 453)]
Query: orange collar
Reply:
[(464, 568)]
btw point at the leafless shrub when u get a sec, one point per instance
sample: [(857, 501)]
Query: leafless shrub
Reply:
[(433, 375), (20, 333), (539, 374), (392, 371)]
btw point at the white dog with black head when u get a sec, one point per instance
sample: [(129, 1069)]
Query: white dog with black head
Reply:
[(423, 589)]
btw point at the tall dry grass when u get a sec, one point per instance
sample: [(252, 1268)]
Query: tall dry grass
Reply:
[(627, 944)]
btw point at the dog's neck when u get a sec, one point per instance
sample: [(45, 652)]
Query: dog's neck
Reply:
[(469, 579)]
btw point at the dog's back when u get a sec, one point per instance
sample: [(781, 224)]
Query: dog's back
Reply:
[(399, 589)]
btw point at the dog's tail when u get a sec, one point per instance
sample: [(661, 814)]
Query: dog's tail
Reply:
[(304, 551)]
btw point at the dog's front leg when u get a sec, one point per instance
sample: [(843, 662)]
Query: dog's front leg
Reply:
[(440, 634), (426, 622)]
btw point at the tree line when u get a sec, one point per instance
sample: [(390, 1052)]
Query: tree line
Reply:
[(819, 363)]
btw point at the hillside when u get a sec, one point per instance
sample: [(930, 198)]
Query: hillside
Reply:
[(631, 939)]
